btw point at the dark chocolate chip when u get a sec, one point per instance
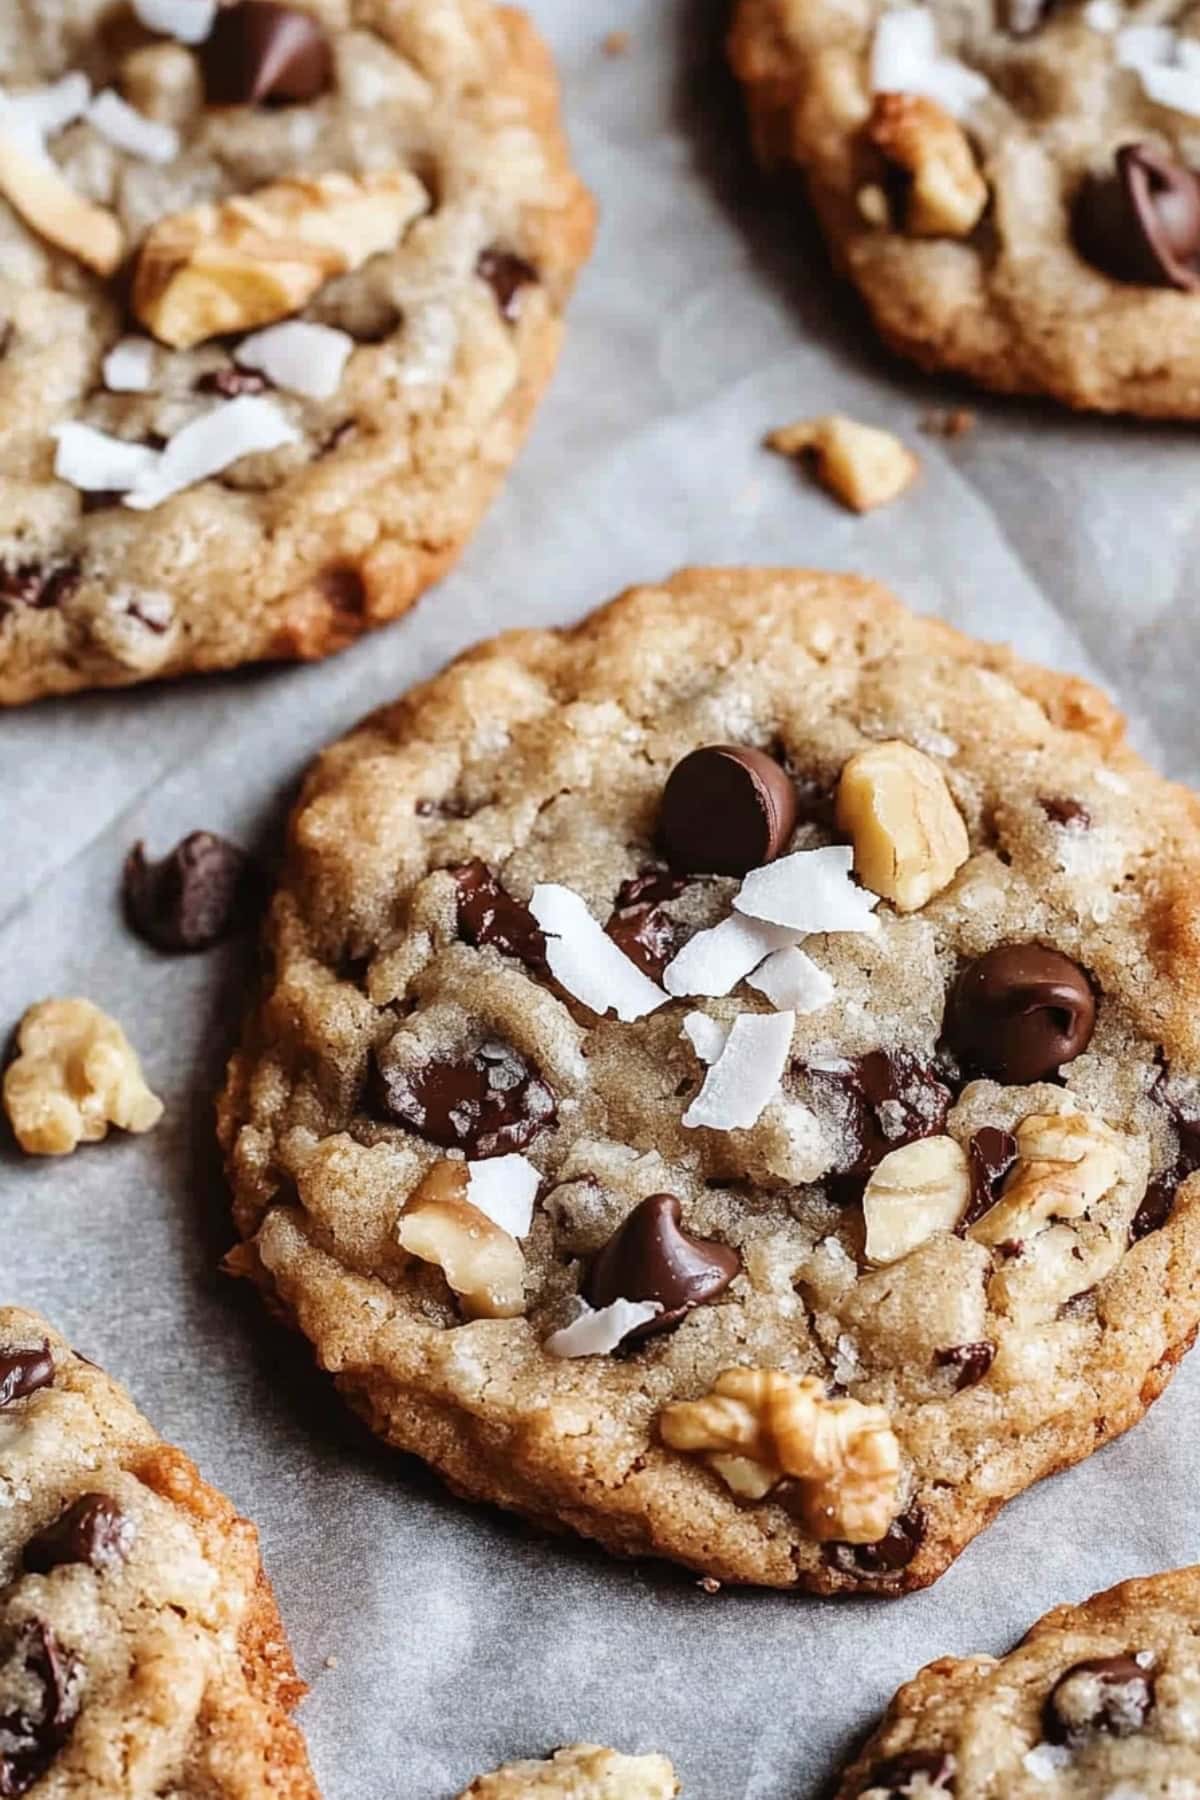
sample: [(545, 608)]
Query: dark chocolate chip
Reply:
[(896, 1777), (23, 1370), (490, 1103), (199, 893), (33, 585), (506, 275), (890, 1099), (991, 1155), (638, 925), (890, 1553), (726, 809), (259, 51), (1111, 1694), (231, 382), (1157, 1202), (1019, 1012), (1141, 221), (1159, 1198), (970, 1361), (45, 1678), (650, 1257), (1060, 809), (488, 914), (92, 1530)]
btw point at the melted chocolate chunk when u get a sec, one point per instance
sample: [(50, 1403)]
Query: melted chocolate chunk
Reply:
[(202, 891), (93, 1530), (1019, 1013), (35, 586), (23, 1371), (892, 1099), (895, 1777), (890, 1553), (506, 275), (1110, 1694), (1159, 1198), (651, 1257), (231, 382), (990, 1157), (488, 914), (259, 52), (490, 1103), (726, 809), (34, 1665), (971, 1361), (1072, 815), (1140, 221), (639, 927)]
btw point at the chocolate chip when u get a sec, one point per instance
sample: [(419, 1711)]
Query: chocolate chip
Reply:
[(1073, 815), (1159, 1198), (23, 1370), (231, 382), (488, 914), (1141, 222), (895, 1778), (45, 1679), (199, 893), (1019, 1012), (92, 1530), (639, 927), (889, 1099), (650, 1257), (1111, 1694), (890, 1553), (971, 1361), (506, 275), (726, 809), (33, 585), (489, 1104), (1157, 1203), (258, 51), (991, 1155)]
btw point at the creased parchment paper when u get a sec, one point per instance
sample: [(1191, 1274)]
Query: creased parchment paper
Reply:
[(439, 1639)]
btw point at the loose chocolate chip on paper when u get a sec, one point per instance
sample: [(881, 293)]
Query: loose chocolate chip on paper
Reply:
[(726, 809), (651, 1257), (488, 914), (639, 927), (1141, 221), (199, 893), (889, 1554), (1020, 1012), (35, 1667), (970, 1362), (23, 1370), (1110, 1694), (991, 1155), (258, 51), (507, 275), (92, 1530), (488, 1104), (895, 1778), (1060, 809)]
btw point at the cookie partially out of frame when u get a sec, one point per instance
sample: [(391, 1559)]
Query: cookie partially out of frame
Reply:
[(1098, 1699), (797, 1271), (140, 1647), (390, 175), (580, 1772), (1009, 184)]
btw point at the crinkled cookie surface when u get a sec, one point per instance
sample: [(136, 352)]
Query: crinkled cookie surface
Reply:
[(794, 1278)]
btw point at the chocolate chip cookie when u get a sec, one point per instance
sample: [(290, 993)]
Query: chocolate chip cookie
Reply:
[(140, 1648), (725, 1078), (1099, 1699), (582, 1772), (279, 289), (1011, 184)]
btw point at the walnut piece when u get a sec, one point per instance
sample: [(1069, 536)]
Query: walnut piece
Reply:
[(75, 1074), (914, 1191), (259, 257), (51, 207), (946, 195), (758, 1427), (909, 837), (860, 465), (481, 1262), (1065, 1163)]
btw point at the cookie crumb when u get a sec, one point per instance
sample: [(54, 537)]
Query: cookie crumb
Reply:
[(616, 43), (708, 1584), (860, 465), (951, 422), (331, 1662)]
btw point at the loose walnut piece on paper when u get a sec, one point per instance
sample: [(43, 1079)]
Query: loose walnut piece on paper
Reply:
[(860, 465), (945, 193), (1065, 1163), (909, 837), (758, 1427), (914, 1191), (259, 257), (75, 1074), (52, 208), (481, 1262)]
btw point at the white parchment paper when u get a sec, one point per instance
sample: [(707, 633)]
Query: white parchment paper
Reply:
[(439, 1639)]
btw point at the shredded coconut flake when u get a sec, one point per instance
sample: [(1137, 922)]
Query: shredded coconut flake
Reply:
[(301, 357), (905, 59), (584, 958), (1142, 46), (746, 1075), (131, 130), (94, 462), (792, 980), (706, 1037), (504, 1187), (810, 890), (1177, 88), (188, 20), (1044, 1760), (599, 1333), (209, 444), (129, 366), (714, 961), (38, 113), (1103, 16)]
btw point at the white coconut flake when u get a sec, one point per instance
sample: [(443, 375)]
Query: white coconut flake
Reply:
[(792, 981), (810, 890), (714, 961), (705, 1035), (1045, 1760), (304, 358), (38, 113), (1144, 46), (127, 128), (129, 366), (1177, 88), (95, 462), (188, 20), (1103, 16), (905, 59), (745, 1077), (583, 957), (430, 343), (209, 444), (505, 1188), (599, 1333)]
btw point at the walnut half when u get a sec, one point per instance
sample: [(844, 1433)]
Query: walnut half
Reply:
[(481, 1262), (1065, 1163), (946, 194), (75, 1074), (909, 836)]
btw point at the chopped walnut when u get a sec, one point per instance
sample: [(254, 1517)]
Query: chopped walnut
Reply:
[(75, 1074), (50, 206), (909, 836), (1065, 1163), (916, 1190), (758, 1427), (946, 194), (481, 1262), (859, 464)]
